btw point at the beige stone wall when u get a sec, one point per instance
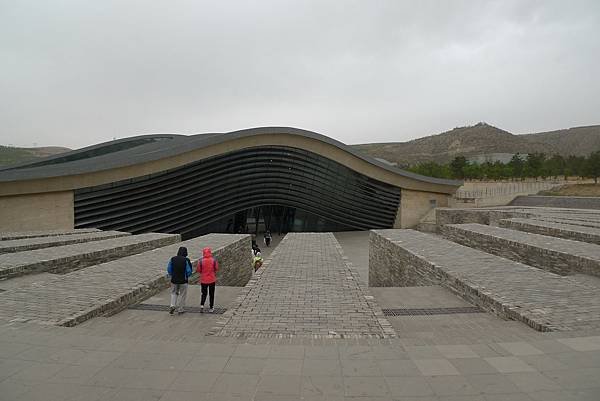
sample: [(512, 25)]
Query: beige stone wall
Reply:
[(414, 205), (46, 211)]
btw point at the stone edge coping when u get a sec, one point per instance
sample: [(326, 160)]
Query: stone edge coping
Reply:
[(476, 296), (141, 291), (553, 225), (523, 238), (30, 244), (51, 233), (72, 250)]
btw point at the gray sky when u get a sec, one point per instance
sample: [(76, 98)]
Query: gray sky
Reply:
[(75, 73)]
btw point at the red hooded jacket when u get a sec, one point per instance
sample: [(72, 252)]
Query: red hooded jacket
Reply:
[(207, 267)]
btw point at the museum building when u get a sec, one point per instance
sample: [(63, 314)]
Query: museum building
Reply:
[(277, 178)]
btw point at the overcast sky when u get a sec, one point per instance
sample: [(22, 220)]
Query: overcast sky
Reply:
[(76, 73)]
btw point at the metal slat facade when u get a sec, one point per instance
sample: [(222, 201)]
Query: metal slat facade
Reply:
[(184, 199)]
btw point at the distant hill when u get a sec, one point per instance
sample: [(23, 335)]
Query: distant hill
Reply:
[(483, 138), (12, 155)]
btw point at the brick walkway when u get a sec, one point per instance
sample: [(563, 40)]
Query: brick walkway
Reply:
[(308, 289)]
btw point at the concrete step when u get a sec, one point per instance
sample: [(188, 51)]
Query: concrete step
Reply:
[(540, 299), (554, 229), (29, 244), (66, 258), (107, 288), (557, 255), (49, 233)]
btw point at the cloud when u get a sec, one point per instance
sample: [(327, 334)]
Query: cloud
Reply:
[(77, 73)]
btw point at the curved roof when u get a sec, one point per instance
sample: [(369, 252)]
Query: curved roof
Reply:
[(148, 148)]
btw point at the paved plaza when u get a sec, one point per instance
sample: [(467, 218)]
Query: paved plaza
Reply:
[(149, 355)]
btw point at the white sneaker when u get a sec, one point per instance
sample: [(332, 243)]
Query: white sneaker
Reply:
[(211, 310), (201, 308)]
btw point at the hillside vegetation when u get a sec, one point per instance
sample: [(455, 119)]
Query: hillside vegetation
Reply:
[(483, 138), (11, 155)]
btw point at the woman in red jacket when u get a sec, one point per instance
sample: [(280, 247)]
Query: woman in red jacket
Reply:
[(207, 269)]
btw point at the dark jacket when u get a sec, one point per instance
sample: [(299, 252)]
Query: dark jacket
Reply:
[(180, 267)]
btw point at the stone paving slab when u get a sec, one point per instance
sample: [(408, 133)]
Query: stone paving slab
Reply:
[(543, 300), (570, 231), (560, 256), (50, 233), (72, 298), (29, 244), (307, 289), (62, 259)]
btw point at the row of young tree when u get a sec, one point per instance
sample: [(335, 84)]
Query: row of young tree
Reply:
[(536, 165)]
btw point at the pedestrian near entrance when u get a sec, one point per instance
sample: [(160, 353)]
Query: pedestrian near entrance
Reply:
[(268, 238), (207, 269), (179, 269)]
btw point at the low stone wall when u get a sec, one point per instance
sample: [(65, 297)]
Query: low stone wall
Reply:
[(51, 233), (445, 216), (392, 266), (232, 253), (548, 253), (512, 290), (555, 229), (570, 202), (29, 244), (67, 258)]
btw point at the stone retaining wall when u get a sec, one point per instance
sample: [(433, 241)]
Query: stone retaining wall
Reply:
[(445, 216), (67, 258), (29, 244), (512, 290), (569, 202), (50, 233), (552, 254), (570, 230)]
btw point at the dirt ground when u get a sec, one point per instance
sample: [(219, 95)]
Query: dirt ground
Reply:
[(573, 190)]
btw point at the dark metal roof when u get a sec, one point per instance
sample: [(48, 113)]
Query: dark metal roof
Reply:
[(147, 148)]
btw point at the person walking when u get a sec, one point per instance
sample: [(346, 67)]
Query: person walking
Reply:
[(207, 269), (268, 238), (179, 269)]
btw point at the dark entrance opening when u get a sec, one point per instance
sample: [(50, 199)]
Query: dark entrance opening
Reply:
[(277, 219)]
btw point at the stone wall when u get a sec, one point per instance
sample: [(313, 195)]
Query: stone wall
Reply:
[(392, 266), (29, 244), (509, 289), (67, 258), (570, 202), (551, 254), (44, 211), (481, 216), (559, 230), (414, 205)]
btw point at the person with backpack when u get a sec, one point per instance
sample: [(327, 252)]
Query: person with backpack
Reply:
[(207, 269), (179, 269)]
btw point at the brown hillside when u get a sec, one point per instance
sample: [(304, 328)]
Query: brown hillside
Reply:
[(483, 138)]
